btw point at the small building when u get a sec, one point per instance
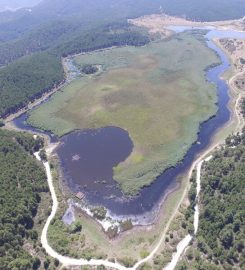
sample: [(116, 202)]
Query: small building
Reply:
[(80, 195)]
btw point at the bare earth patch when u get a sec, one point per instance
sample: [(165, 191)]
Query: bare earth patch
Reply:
[(235, 49)]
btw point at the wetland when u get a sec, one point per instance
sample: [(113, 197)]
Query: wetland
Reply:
[(117, 97)]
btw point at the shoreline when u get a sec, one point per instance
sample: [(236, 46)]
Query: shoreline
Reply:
[(171, 191), (179, 161), (213, 144)]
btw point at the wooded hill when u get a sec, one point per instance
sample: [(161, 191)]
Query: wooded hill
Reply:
[(221, 233), (27, 79), (21, 181)]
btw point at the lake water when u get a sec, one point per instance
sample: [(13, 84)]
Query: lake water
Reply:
[(87, 157)]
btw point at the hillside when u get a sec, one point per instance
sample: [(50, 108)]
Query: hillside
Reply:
[(220, 240), (22, 181)]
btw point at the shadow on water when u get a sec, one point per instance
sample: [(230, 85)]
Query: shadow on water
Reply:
[(87, 157)]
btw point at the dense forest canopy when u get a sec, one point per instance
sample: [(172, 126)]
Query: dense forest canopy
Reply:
[(21, 181), (27, 79), (221, 224), (221, 233), (87, 14), (32, 44)]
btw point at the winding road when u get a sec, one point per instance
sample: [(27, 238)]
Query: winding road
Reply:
[(67, 261)]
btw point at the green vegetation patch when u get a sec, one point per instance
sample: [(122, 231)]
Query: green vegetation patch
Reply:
[(21, 182), (158, 93), (29, 77)]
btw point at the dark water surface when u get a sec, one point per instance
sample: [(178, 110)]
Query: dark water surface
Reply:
[(87, 157)]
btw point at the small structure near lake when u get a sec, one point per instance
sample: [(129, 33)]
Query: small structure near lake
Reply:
[(80, 195)]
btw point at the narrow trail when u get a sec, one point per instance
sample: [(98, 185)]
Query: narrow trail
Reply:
[(68, 261), (183, 244)]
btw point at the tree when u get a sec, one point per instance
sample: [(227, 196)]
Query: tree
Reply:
[(226, 237), (89, 69)]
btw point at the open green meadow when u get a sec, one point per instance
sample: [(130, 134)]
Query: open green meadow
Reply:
[(158, 93)]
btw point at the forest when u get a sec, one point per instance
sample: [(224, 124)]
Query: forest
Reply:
[(101, 38), (221, 233), (21, 181), (27, 79)]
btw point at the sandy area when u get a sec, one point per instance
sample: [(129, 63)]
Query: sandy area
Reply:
[(157, 22)]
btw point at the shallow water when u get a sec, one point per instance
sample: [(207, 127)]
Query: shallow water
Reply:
[(88, 156)]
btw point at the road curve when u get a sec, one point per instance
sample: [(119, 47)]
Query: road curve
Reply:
[(67, 261)]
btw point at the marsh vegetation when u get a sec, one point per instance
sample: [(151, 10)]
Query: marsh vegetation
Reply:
[(158, 93)]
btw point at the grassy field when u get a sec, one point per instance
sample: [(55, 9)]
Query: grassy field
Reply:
[(158, 93)]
